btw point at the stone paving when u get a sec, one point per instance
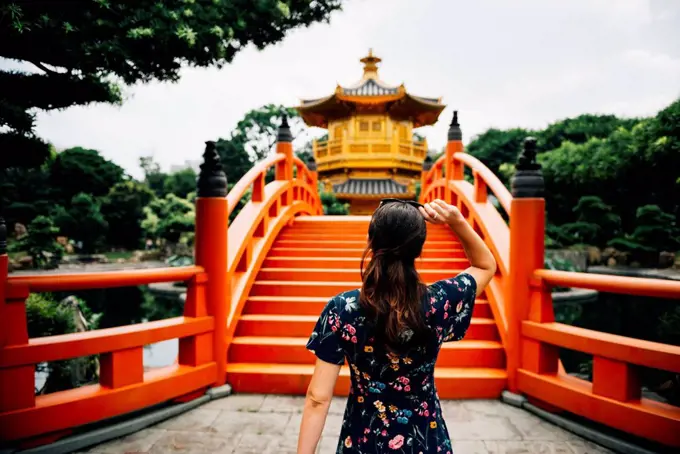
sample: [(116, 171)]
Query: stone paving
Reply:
[(245, 424)]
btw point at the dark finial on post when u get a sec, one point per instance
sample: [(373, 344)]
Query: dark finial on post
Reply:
[(427, 163), (528, 178), (454, 128), (311, 164), (3, 236), (284, 134), (212, 181)]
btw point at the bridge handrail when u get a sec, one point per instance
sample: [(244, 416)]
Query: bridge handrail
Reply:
[(641, 286), (597, 343), (445, 180), (490, 179), (480, 171), (74, 345), (614, 397), (303, 171), (102, 279), (257, 172), (24, 415)]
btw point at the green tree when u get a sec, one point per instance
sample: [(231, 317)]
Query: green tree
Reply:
[(234, 158), (123, 209), (83, 221), (595, 223), (169, 218), (253, 138), (40, 243), (153, 176), (495, 147), (83, 48), (259, 127), (655, 231), (331, 205), (599, 167), (79, 170), (581, 129), (25, 192), (180, 183)]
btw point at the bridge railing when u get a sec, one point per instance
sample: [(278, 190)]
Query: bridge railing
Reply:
[(521, 301), (227, 260), (614, 396), (123, 385), (444, 180)]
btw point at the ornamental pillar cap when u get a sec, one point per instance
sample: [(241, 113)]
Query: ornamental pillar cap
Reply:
[(212, 181)]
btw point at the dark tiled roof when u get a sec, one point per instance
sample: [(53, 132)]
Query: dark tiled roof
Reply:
[(369, 187), (370, 88)]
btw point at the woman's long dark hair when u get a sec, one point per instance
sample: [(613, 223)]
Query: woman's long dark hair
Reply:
[(392, 292)]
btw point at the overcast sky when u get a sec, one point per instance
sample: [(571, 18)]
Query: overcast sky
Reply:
[(499, 63)]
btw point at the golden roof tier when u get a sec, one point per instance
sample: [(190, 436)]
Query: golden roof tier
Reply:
[(371, 96)]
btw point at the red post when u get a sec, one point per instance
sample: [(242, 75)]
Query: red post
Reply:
[(453, 170), (212, 224), (16, 383), (527, 249), (481, 192)]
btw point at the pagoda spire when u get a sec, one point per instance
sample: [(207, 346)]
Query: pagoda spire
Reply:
[(370, 65)]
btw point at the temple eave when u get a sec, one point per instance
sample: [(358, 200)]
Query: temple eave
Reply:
[(423, 111)]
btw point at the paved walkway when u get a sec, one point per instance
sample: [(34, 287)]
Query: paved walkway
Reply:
[(257, 424)]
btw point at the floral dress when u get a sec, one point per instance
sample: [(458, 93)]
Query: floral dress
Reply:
[(393, 406)]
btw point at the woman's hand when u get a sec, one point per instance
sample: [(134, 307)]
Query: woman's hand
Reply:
[(440, 212)]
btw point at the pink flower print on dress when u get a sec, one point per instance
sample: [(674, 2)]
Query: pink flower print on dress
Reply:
[(459, 306), (348, 331), (397, 442)]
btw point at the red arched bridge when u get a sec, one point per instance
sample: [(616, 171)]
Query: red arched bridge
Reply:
[(259, 284)]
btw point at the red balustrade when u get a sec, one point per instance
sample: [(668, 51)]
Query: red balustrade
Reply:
[(227, 258), (521, 301)]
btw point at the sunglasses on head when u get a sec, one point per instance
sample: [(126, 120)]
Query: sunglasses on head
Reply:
[(408, 202)]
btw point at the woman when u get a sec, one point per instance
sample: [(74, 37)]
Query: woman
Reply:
[(390, 331)]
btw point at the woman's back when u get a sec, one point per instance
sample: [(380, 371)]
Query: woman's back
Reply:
[(390, 332), (393, 403)]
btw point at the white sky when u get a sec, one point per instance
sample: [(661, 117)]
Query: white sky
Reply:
[(499, 63)]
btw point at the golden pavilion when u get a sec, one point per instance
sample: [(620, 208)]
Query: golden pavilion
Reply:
[(370, 153)]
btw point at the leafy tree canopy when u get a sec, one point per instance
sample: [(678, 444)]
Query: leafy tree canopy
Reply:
[(495, 147), (123, 209), (258, 128), (180, 183), (254, 138), (84, 49), (79, 170), (82, 221), (581, 129)]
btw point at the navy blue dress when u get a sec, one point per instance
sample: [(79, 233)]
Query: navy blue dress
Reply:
[(393, 406)]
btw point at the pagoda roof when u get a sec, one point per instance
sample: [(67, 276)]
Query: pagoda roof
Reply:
[(369, 186), (372, 96)]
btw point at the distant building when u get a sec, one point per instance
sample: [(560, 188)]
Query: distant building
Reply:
[(370, 153)]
